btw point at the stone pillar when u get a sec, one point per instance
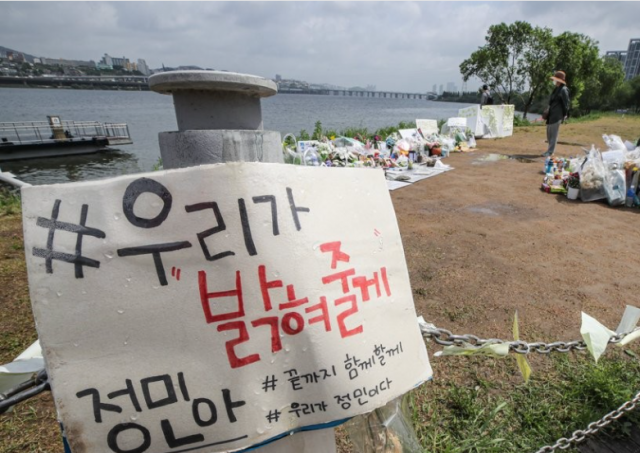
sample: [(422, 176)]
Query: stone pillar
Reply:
[(219, 118)]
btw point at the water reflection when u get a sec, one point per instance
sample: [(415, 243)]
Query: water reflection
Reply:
[(51, 170)]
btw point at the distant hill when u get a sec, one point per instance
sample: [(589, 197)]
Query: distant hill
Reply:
[(4, 50)]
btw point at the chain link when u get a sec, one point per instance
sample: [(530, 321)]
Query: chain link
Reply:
[(447, 338), (578, 436)]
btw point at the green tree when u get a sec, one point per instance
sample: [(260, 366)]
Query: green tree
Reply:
[(600, 90), (578, 56), (515, 61), (539, 56), (623, 96), (498, 62), (635, 94)]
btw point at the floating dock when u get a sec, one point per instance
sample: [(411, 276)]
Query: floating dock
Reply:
[(37, 139)]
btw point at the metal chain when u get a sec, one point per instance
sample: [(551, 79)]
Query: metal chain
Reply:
[(578, 436), (38, 383), (446, 338)]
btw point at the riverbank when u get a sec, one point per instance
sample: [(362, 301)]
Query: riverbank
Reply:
[(481, 242)]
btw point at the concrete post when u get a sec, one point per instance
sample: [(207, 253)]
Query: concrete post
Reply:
[(220, 120)]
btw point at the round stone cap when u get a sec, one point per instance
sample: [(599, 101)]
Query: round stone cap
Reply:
[(172, 81)]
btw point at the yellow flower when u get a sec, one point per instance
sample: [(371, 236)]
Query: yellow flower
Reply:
[(333, 137)]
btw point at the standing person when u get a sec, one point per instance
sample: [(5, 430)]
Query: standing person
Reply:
[(557, 111), (486, 98)]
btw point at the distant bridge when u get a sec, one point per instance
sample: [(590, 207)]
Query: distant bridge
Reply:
[(142, 83), (361, 93)]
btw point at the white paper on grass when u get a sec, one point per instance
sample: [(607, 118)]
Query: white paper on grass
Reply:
[(595, 335), (628, 323), (120, 326), (24, 366), (393, 185), (490, 349), (629, 320), (629, 338), (427, 127)]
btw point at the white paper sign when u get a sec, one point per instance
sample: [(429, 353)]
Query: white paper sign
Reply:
[(213, 308), (407, 133), (427, 127), (303, 145), (460, 123)]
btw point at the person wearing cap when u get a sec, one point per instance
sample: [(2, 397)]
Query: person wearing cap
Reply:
[(558, 110)]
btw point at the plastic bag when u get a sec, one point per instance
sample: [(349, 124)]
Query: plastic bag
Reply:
[(471, 141), (460, 137), (311, 157), (614, 142), (386, 429), (592, 175), (402, 161), (448, 144), (615, 185)]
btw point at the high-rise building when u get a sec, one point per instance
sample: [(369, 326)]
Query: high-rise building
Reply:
[(441, 90), (106, 60), (278, 78), (123, 62), (142, 67), (632, 63), (630, 58), (620, 55), (435, 88), (451, 87), (67, 63)]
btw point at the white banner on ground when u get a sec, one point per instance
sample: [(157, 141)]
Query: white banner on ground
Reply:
[(217, 307), (489, 121)]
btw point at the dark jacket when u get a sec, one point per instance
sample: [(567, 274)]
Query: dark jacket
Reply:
[(484, 99), (558, 104)]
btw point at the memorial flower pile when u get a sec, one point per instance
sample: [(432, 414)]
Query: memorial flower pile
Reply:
[(611, 175)]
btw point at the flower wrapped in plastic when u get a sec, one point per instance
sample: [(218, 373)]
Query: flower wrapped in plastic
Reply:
[(592, 175)]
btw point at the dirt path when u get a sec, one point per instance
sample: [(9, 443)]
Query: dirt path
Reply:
[(481, 241)]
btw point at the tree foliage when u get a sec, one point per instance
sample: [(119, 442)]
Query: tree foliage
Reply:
[(634, 99), (578, 56), (515, 59), (600, 91), (518, 59)]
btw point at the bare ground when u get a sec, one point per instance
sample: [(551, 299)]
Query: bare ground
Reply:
[(480, 241)]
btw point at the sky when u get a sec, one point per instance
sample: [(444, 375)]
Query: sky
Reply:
[(396, 46)]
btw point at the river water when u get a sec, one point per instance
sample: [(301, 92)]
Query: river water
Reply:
[(148, 113)]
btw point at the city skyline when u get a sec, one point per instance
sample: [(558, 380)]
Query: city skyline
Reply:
[(400, 46)]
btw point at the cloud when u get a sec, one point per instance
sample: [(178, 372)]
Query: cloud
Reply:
[(402, 46)]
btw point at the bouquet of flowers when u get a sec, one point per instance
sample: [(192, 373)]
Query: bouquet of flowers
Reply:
[(430, 144), (573, 181)]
